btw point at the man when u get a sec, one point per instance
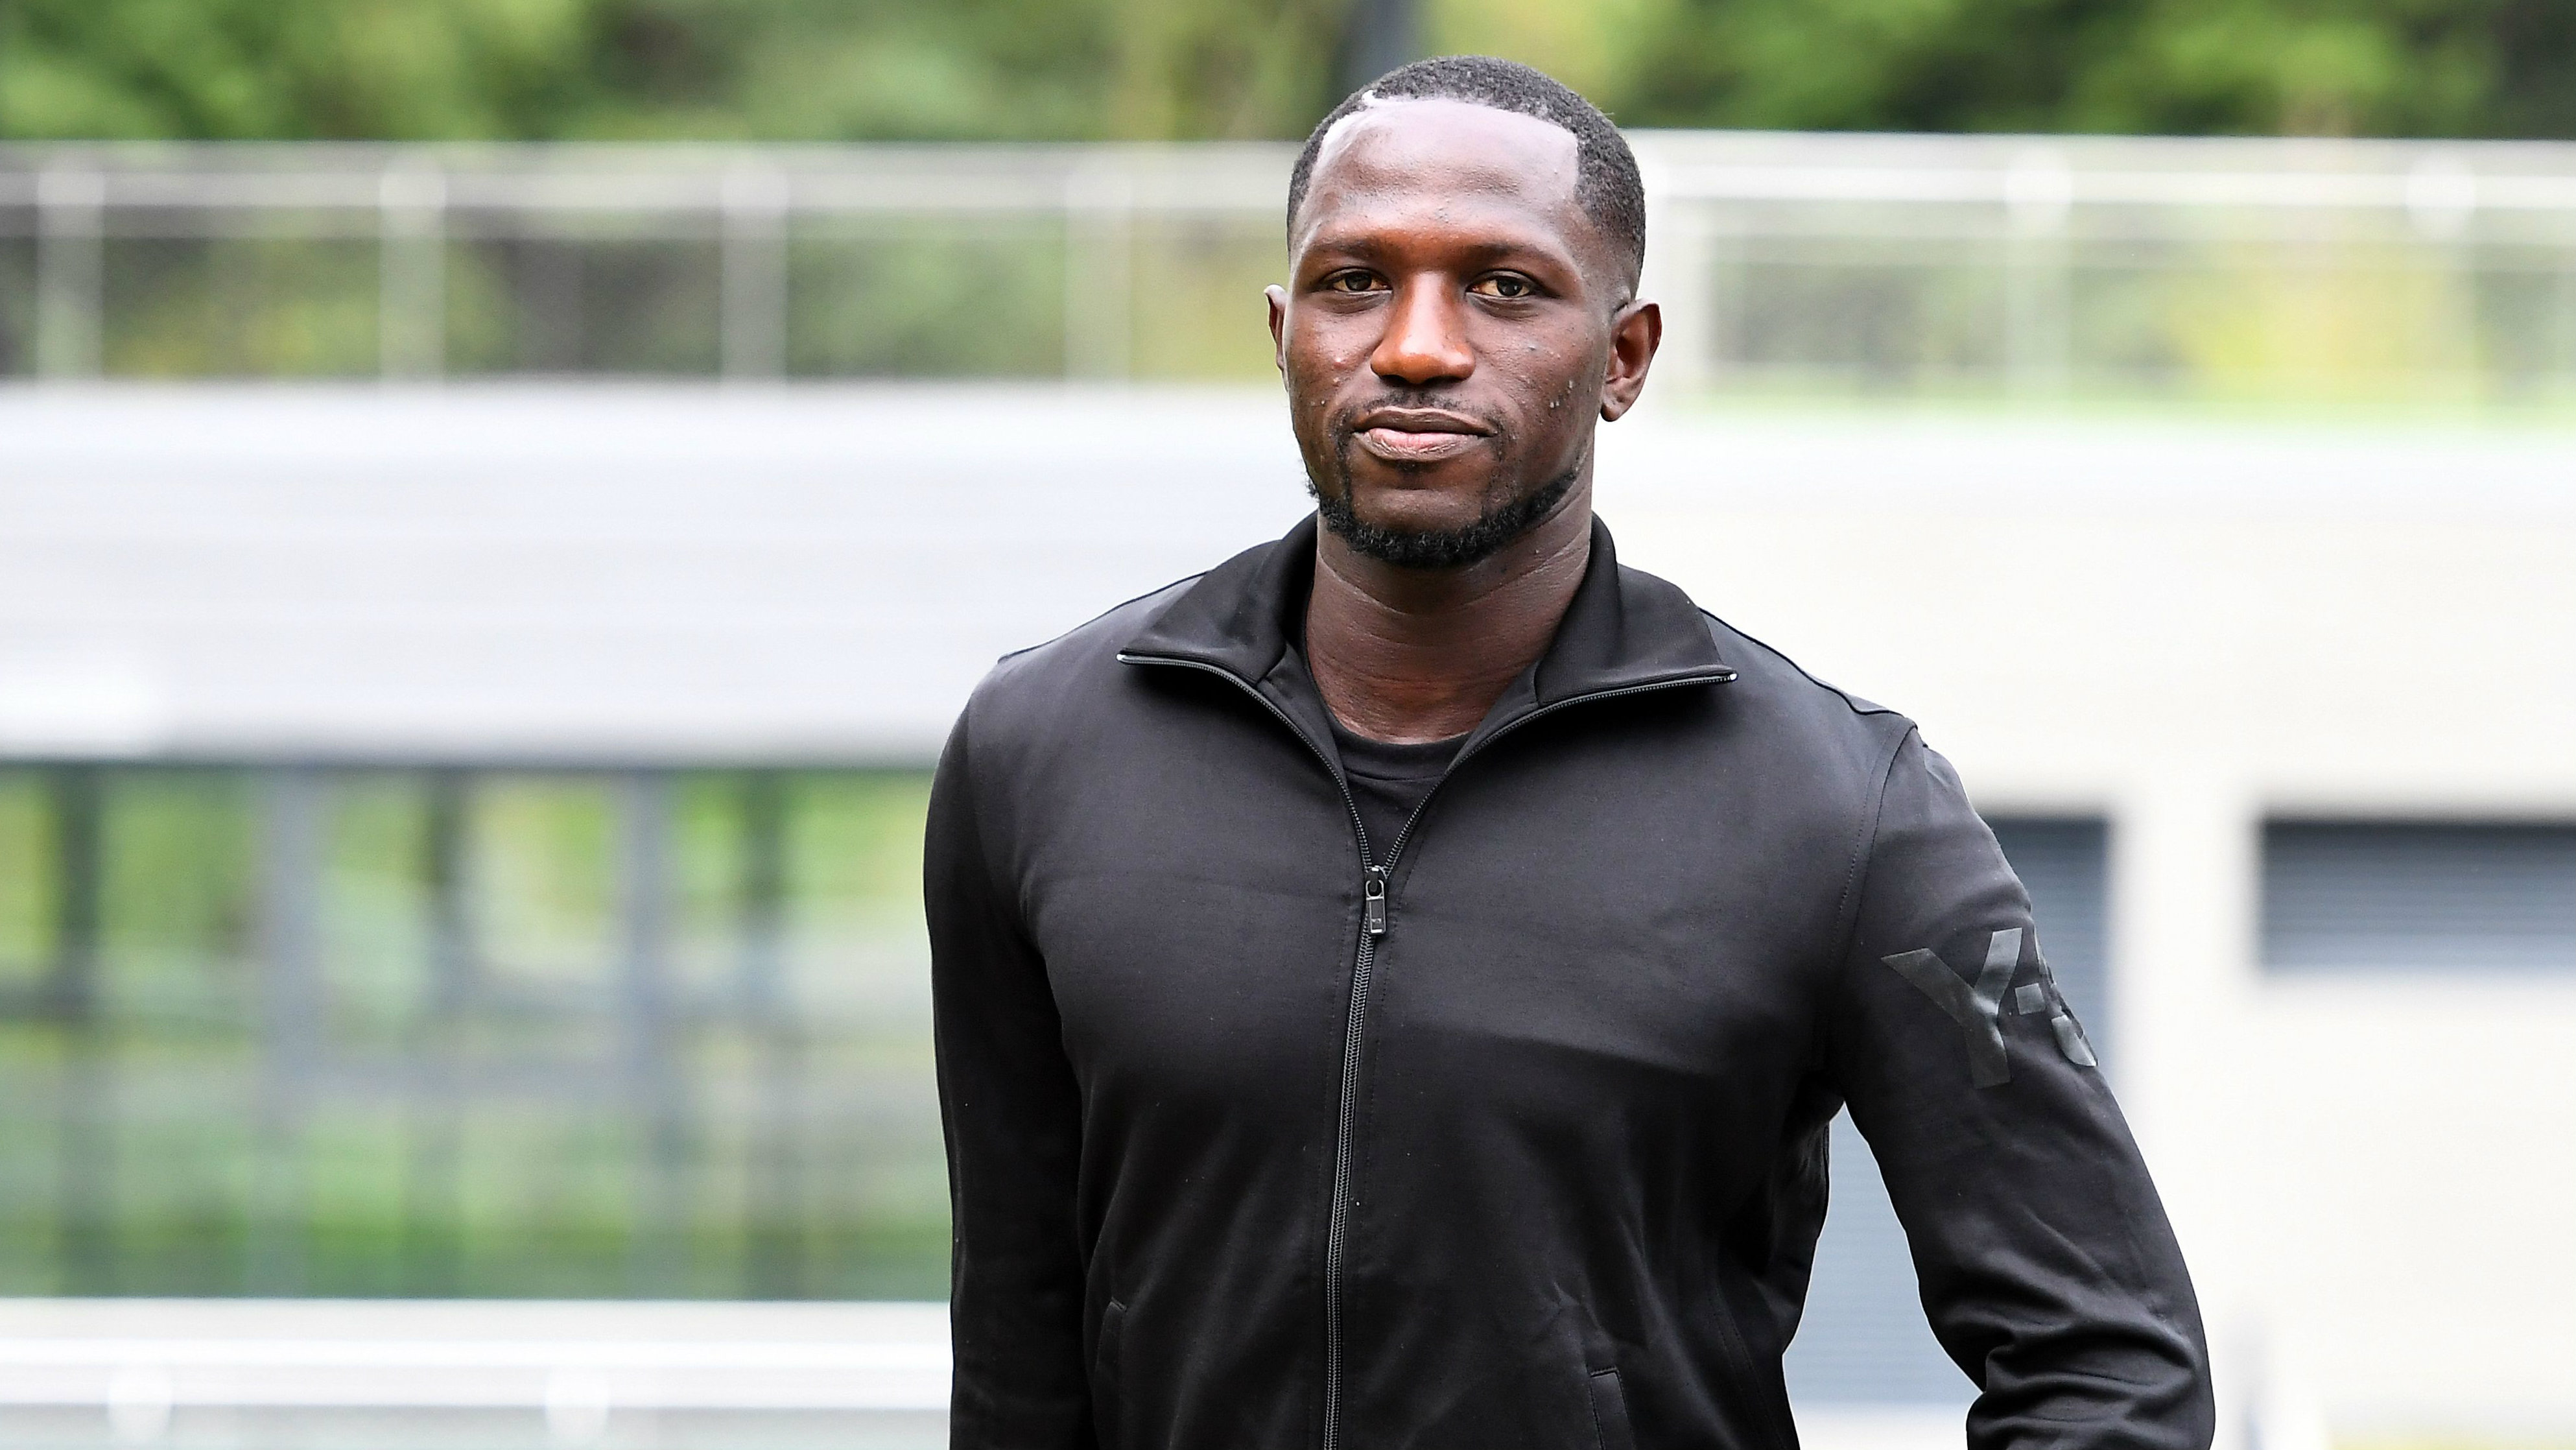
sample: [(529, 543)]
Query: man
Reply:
[(1392, 989)]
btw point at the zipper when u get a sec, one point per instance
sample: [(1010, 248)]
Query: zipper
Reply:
[(1374, 878), (1345, 1117)]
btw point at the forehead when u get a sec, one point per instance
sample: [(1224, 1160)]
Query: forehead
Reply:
[(1399, 155)]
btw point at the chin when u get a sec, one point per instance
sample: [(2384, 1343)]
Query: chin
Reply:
[(1399, 497), (1418, 510)]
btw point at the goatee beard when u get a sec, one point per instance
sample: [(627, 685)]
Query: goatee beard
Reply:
[(1440, 548)]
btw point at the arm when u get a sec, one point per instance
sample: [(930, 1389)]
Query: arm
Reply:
[(1012, 1115), (2047, 1267)]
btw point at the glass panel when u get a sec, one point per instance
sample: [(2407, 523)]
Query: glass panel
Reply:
[(452, 1072), (375, 926), (1198, 309), (868, 1204), (926, 297), (2418, 897), (542, 867), (17, 293), (585, 303), (1873, 313), (178, 914), (28, 882), (235, 306)]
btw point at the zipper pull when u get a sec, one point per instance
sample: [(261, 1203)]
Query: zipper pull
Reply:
[(1373, 901)]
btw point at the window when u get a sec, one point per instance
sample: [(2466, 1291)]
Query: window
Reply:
[(486, 1032), (2382, 896)]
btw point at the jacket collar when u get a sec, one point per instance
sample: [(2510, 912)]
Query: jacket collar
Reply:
[(1623, 631)]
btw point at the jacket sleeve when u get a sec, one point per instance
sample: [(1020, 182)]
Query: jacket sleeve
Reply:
[(2046, 1264), (1011, 1113)]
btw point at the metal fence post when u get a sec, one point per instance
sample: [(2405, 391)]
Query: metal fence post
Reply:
[(2562, 337), (411, 276), (775, 1255), (71, 267), (290, 1009), (85, 1201), (2442, 200), (1730, 331), (649, 1032), (1678, 268), (1099, 273), (432, 1198), (2039, 195), (754, 245)]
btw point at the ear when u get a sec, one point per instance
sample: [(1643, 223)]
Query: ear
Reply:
[(1277, 297), (1636, 330)]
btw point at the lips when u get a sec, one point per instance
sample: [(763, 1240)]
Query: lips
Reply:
[(1410, 435)]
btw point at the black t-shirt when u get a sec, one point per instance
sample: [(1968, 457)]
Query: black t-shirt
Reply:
[(1388, 781)]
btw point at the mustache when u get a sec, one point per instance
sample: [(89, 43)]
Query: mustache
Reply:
[(1427, 399)]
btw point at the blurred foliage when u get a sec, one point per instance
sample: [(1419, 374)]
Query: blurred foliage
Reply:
[(2390, 320), (240, 307), (1154, 69), (661, 69), (27, 884), (936, 297), (288, 69), (2185, 67), (599, 304)]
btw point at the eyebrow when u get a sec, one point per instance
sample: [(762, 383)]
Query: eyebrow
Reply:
[(1367, 247)]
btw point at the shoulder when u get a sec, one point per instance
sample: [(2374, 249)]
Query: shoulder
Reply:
[(1031, 693), (1817, 725), (1873, 764), (1085, 646)]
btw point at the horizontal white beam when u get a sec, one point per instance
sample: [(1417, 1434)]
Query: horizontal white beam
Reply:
[(317, 1354), (703, 574), (1250, 178)]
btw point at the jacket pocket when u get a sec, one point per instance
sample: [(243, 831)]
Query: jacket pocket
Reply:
[(1609, 1411), (1104, 1374)]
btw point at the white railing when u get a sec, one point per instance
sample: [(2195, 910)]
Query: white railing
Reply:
[(142, 1367), (2034, 264), (411, 203)]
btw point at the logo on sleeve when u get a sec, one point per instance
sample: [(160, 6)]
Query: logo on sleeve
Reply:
[(1978, 1007)]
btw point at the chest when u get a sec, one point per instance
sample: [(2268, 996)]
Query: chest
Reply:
[(1577, 913)]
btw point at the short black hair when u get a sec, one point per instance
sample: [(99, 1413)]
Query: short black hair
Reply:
[(1606, 184)]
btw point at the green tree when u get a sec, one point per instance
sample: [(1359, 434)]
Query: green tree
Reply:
[(663, 69), (286, 69), (2291, 67), (1170, 69)]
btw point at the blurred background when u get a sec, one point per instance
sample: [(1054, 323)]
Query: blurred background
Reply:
[(501, 499)]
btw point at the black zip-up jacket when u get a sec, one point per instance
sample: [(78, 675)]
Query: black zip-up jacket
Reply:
[(1510, 1132)]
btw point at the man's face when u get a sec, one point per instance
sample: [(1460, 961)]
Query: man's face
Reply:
[(1452, 326)]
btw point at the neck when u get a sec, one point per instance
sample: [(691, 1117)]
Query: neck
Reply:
[(1417, 655)]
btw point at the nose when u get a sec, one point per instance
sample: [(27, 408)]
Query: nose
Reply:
[(1426, 338)]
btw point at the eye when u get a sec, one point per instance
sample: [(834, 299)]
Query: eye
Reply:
[(1354, 280), (1508, 286)]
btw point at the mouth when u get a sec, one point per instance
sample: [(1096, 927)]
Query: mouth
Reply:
[(1418, 435)]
